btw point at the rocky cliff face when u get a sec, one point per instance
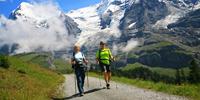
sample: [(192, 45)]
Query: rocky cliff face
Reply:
[(188, 28), (143, 14)]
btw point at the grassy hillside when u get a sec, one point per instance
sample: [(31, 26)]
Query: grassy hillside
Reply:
[(161, 53), (160, 70), (61, 65), (40, 59), (27, 81)]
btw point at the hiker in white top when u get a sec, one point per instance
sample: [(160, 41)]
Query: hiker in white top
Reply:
[(78, 60)]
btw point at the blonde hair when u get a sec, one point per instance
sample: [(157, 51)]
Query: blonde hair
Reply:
[(77, 48)]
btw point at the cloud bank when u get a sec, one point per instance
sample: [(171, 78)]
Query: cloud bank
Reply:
[(40, 26), (125, 47)]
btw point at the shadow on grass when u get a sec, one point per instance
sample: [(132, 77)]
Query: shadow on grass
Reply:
[(77, 95)]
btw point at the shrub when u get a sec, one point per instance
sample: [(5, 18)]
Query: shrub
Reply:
[(4, 63)]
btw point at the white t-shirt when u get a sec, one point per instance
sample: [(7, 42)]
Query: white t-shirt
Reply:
[(79, 57)]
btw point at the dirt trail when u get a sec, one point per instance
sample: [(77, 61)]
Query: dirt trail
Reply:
[(122, 92)]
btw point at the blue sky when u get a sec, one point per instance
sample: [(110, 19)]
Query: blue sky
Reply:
[(6, 6)]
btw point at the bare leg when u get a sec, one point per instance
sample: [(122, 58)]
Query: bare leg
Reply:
[(107, 80), (105, 77), (109, 76)]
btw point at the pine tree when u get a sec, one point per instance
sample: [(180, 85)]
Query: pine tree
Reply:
[(178, 77), (194, 76), (183, 77)]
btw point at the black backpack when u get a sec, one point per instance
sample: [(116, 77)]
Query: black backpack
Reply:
[(77, 63)]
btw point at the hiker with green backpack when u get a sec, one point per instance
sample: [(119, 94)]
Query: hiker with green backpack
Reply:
[(104, 58)]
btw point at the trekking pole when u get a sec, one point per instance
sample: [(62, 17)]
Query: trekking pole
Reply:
[(75, 81), (87, 77), (100, 79), (115, 72)]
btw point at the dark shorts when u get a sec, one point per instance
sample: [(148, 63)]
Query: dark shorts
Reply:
[(105, 68)]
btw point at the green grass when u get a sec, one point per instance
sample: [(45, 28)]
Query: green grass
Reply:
[(160, 70), (164, 71), (156, 46), (188, 90), (27, 81), (169, 71), (40, 59), (63, 66), (27, 56), (132, 55), (132, 66)]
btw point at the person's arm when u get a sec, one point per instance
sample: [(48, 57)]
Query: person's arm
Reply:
[(85, 60), (111, 56), (73, 60), (97, 57)]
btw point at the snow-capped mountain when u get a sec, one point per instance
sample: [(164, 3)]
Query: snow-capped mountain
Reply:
[(148, 21), (29, 13), (100, 21), (37, 27), (129, 16)]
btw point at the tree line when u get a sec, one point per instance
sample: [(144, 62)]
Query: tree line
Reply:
[(145, 73)]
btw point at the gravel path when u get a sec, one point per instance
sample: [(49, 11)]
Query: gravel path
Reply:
[(121, 92)]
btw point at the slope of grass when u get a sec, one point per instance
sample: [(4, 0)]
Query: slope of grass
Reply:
[(189, 90), (26, 56), (63, 66), (160, 70), (27, 81), (132, 66), (40, 59), (156, 46), (169, 71)]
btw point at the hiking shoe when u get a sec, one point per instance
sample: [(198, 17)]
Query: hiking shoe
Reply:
[(108, 86), (81, 94)]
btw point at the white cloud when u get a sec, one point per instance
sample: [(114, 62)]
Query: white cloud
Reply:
[(31, 38), (131, 44), (124, 47)]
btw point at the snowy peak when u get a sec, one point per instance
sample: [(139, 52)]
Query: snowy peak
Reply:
[(43, 16), (88, 21), (38, 27), (27, 10), (25, 5), (113, 5)]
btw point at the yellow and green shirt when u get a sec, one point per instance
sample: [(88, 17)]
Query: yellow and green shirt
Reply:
[(105, 56)]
